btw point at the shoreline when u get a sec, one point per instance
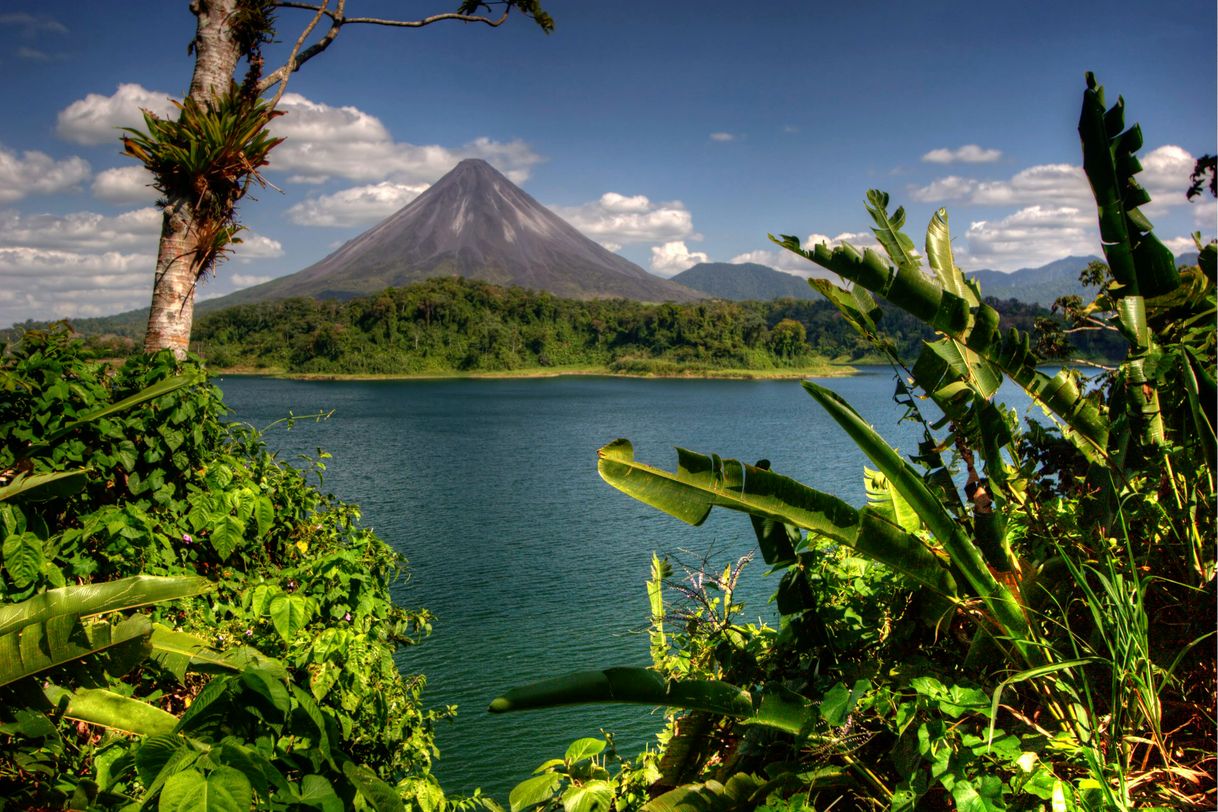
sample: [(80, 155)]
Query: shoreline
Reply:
[(833, 371)]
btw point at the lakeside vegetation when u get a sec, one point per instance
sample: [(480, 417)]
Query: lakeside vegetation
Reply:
[(187, 622)]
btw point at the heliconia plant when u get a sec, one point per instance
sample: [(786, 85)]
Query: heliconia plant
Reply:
[(1045, 561)]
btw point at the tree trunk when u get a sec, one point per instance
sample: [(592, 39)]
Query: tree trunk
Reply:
[(177, 268)]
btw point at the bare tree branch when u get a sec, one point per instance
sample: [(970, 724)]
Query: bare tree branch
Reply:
[(292, 63), (338, 19)]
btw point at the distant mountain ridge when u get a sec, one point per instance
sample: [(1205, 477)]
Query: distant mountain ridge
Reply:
[(745, 281), (474, 223)]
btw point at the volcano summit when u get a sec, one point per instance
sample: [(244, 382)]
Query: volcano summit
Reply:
[(475, 223)]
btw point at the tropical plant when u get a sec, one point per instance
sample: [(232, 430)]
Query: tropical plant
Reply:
[(276, 688), (1016, 667)]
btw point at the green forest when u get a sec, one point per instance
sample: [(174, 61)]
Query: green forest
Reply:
[(1020, 617), (453, 325)]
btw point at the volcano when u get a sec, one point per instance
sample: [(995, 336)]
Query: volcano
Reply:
[(475, 223)]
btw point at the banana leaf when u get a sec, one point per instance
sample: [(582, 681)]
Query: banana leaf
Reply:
[(86, 600), (640, 686), (701, 483), (966, 557), (97, 706), (58, 483), (62, 639)]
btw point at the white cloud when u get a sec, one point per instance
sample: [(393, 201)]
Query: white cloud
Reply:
[(1046, 184), (1028, 238), (612, 246), (1165, 173), (325, 142), (35, 172), (125, 184), (673, 257), (81, 231), (623, 220), (967, 154), (357, 206), (96, 119), (723, 137), (1205, 215), (61, 284), (242, 280), (256, 246), (1180, 245)]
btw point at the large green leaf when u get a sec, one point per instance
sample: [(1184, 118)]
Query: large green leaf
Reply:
[(97, 706), (974, 327), (59, 483), (379, 795), (702, 482), (533, 791), (639, 686), (180, 652), (964, 554), (86, 600), (36, 647), (222, 790), (1139, 262)]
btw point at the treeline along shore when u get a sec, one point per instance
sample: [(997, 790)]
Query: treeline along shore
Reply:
[(454, 326)]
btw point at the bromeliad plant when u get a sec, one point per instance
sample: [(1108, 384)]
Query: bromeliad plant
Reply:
[(1022, 669)]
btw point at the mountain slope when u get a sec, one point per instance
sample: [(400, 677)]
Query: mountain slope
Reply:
[(746, 281), (475, 223), (1040, 285)]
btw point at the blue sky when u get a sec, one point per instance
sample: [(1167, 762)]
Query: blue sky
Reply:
[(671, 132)]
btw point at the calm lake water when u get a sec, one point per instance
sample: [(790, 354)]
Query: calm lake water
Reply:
[(532, 565)]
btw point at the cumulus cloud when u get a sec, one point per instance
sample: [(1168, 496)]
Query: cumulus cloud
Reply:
[(723, 137), (967, 154), (326, 142), (125, 184), (96, 119), (1047, 184), (673, 257), (34, 172), (1165, 173), (81, 231), (357, 206), (1205, 215), (623, 220), (51, 283), (244, 280), (1032, 236), (256, 246)]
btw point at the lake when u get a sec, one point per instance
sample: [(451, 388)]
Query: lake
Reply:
[(532, 565)]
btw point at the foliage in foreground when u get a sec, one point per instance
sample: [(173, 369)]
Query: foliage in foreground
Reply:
[(263, 673), (1021, 617)]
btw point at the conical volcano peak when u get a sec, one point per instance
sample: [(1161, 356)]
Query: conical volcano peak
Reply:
[(476, 223)]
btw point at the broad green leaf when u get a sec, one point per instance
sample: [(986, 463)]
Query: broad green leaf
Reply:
[(62, 639), (533, 791), (269, 687), (839, 702), (226, 534), (157, 752), (86, 600), (23, 558), (223, 790), (60, 483), (317, 792), (180, 652), (97, 706), (581, 749), (591, 796), (701, 483), (264, 514), (639, 686), (289, 614), (379, 795)]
